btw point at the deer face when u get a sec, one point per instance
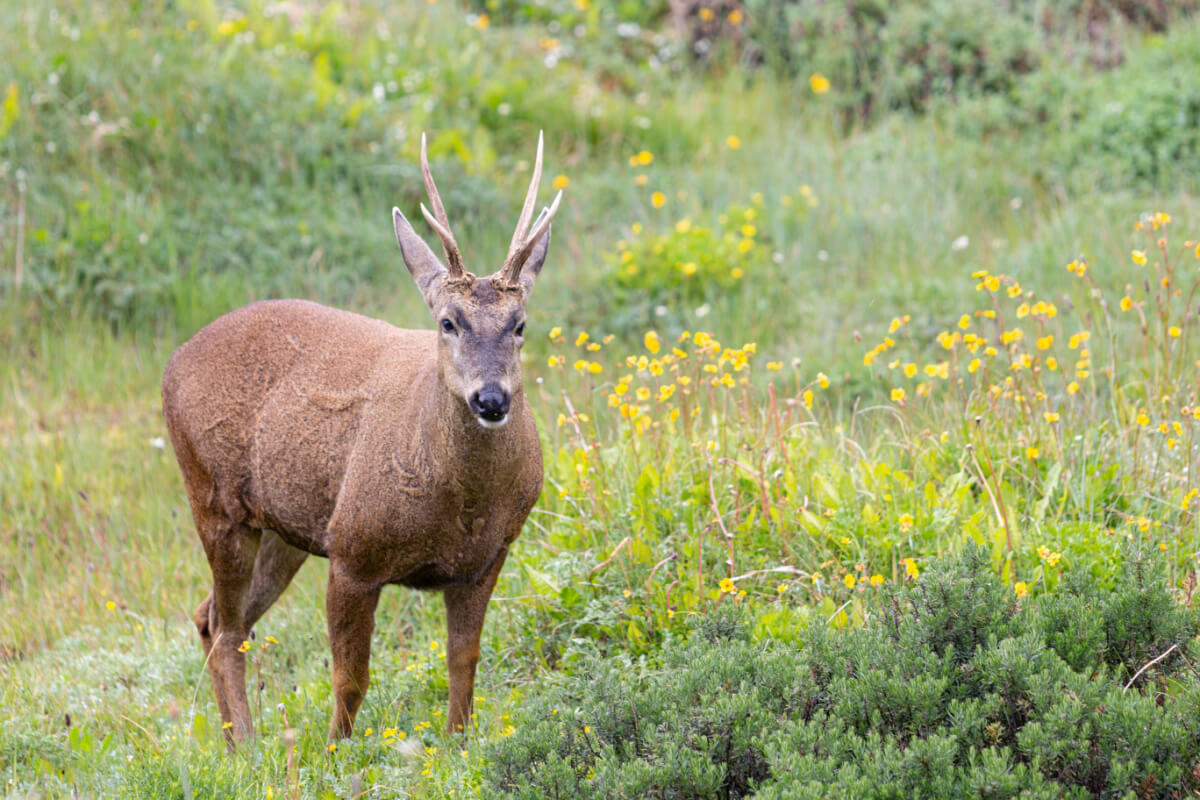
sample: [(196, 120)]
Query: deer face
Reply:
[(480, 321), (481, 329)]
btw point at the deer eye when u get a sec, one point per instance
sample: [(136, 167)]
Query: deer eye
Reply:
[(520, 331), (447, 326)]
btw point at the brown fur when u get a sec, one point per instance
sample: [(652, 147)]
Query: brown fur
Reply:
[(302, 429)]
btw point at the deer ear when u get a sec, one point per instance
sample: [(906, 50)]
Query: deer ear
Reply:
[(537, 256), (426, 270)]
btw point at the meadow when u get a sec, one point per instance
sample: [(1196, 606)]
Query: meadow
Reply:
[(824, 353)]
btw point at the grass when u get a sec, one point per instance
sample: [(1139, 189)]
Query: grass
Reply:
[(800, 501)]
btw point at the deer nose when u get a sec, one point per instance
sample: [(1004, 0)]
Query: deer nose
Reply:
[(490, 403)]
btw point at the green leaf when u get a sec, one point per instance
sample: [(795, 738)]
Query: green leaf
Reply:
[(542, 583)]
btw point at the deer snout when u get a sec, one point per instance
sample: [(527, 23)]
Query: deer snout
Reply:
[(490, 404)]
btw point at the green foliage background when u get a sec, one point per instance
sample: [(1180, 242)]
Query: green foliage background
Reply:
[(748, 527)]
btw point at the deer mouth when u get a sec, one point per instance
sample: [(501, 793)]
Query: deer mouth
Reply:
[(492, 421)]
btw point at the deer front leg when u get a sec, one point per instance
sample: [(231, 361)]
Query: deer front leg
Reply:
[(350, 612), (465, 609)]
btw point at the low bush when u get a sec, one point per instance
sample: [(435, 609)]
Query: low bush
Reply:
[(955, 690)]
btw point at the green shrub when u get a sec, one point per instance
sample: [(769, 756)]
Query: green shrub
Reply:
[(955, 691), (689, 262), (887, 55)]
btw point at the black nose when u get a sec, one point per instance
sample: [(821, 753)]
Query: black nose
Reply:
[(490, 403)]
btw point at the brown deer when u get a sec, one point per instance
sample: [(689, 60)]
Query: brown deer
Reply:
[(404, 457)]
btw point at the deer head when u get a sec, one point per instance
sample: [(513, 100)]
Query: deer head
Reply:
[(480, 321)]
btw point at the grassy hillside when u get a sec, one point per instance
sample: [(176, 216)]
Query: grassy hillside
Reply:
[(823, 351)]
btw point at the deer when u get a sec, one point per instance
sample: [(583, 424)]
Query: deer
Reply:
[(405, 457)]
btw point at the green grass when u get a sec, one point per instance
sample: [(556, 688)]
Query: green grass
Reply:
[(286, 191)]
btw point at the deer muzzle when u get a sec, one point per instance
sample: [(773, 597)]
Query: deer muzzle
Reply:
[(490, 405)]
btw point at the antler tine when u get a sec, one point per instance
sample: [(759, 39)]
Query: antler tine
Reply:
[(512, 267), (527, 209), (440, 225)]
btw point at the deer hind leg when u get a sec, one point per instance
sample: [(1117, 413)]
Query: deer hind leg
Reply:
[(274, 567), (465, 609), (350, 608), (206, 622), (231, 549)]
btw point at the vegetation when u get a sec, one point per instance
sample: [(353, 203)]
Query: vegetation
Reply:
[(923, 402)]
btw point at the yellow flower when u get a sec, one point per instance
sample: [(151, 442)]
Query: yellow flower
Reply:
[(774, 366), (1143, 524), (910, 369), (111, 606), (1031, 453), (748, 230), (808, 398), (581, 338), (910, 568), (555, 332), (973, 366), (906, 522), (689, 268), (964, 321), (1051, 417), (706, 14), (1173, 331), (641, 179), (1052, 363), (733, 142), (849, 581), (818, 83), (727, 586), (658, 199), (876, 579), (1045, 342), (1139, 257), (898, 395), (684, 225), (1143, 419), (735, 17), (561, 182), (650, 340), (1126, 303), (736, 273), (1020, 588), (822, 380), (644, 157), (243, 647), (1072, 387)]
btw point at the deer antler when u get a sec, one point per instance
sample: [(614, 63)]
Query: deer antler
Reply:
[(440, 225), (522, 244)]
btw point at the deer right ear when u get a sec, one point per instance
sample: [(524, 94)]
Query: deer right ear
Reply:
[(418, 257)]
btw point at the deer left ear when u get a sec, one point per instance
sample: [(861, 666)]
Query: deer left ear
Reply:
[(420, 260), (537, 256)]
